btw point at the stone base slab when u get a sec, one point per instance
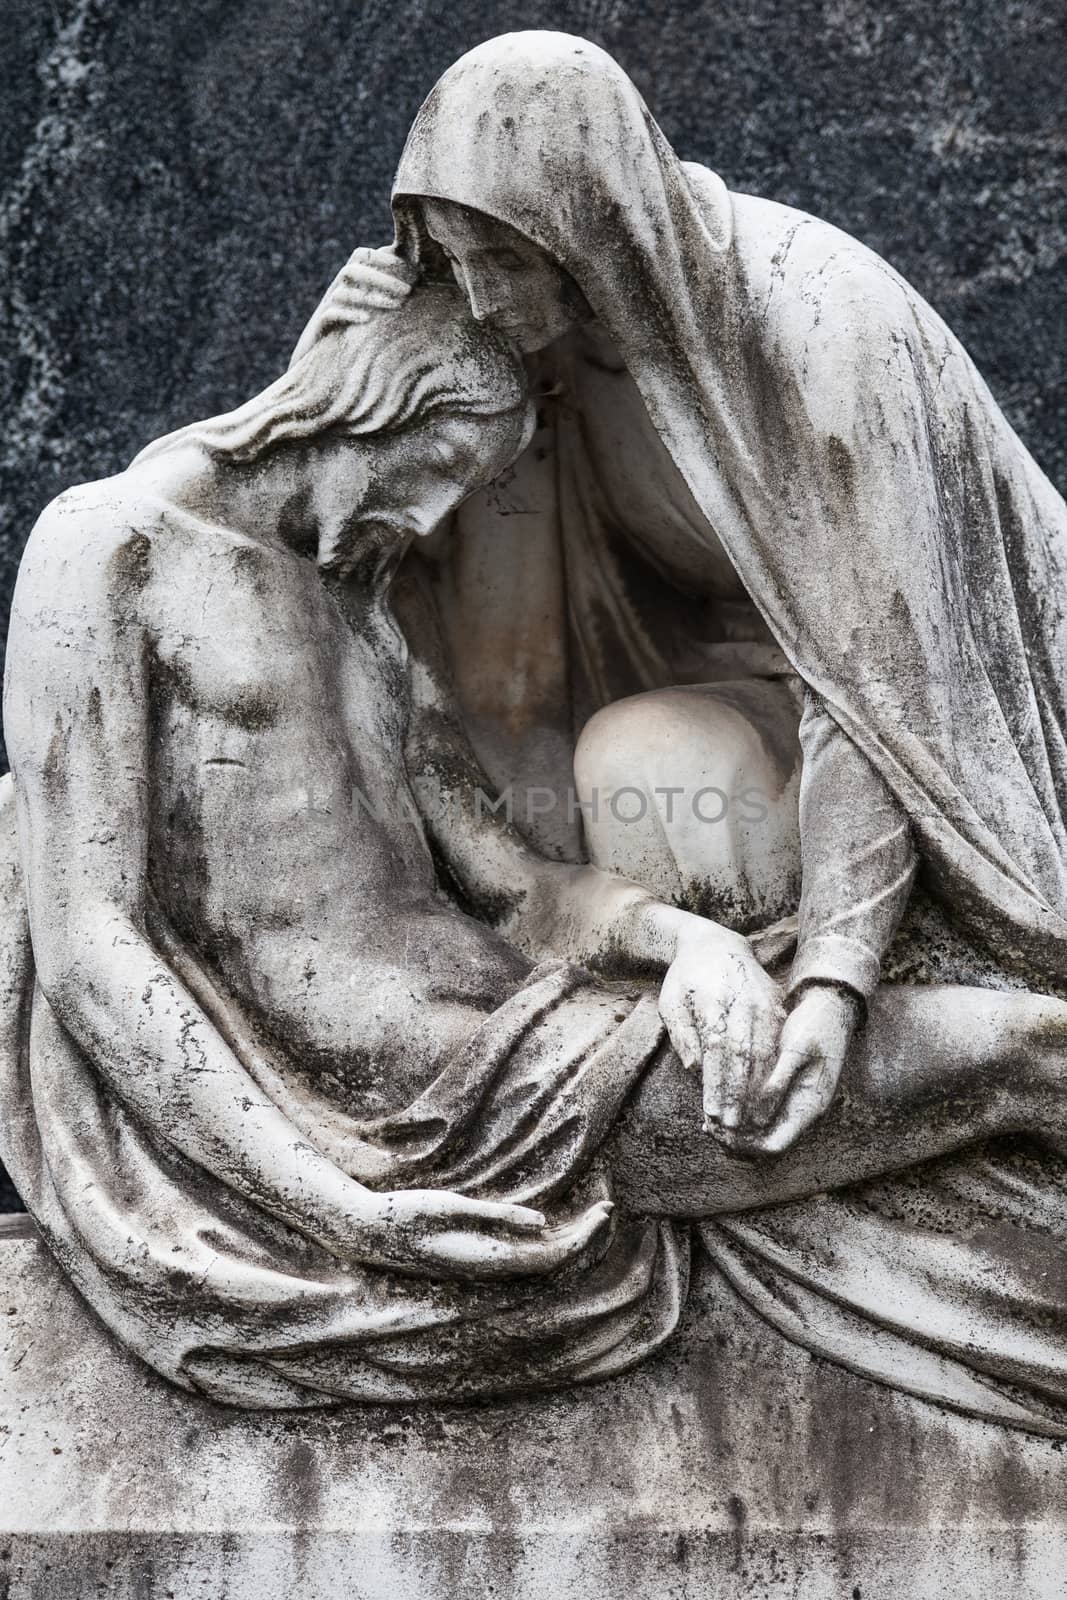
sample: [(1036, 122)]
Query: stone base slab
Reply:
[(732, 1464)]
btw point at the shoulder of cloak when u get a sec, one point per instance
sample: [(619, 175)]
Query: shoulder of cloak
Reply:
[(840, 327)]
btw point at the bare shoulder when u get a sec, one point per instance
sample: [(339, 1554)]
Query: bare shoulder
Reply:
[(94, 546)]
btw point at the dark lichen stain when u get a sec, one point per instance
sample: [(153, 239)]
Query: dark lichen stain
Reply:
[(738, 1514), (130, 566), (54, 768), (298, 1484), (842, 468), (254, 709), (94, 709)]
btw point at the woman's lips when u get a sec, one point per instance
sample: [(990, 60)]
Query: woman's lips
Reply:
[(509, 325)]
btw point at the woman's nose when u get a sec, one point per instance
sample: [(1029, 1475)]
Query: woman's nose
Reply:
[(484, 299)]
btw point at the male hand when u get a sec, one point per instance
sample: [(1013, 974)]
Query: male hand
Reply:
[(437, 1234), (811, 1055), (724, 1016)]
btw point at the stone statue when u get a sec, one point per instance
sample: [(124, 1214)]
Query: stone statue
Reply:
[(325, 1079)]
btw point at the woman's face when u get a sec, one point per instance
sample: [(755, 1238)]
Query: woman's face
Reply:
[(511, 284)]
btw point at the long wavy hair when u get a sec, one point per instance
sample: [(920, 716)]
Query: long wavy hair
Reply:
[(360, 371)]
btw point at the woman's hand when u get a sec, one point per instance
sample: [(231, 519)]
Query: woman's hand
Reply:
[(811, 1056), (724, 1016), (370, 281), (437, 1234)]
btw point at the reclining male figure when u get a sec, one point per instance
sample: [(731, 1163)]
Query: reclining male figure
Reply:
[(216, 723)]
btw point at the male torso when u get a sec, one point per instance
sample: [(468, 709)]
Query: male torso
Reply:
[(284, 846)]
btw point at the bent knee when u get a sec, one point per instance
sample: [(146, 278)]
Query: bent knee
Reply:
[(667, 737)]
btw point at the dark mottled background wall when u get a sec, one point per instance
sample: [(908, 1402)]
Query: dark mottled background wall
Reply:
[(178, 181)]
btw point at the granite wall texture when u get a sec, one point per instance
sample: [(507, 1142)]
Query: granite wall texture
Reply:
[(178, 182)]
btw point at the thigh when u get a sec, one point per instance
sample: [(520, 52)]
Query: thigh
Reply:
[(663, 1164), (933, 1070), (693, 792)]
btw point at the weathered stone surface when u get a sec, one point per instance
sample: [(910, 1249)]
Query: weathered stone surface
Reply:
[(149, 155), (659, 1484), (230, 663), (731, 1461)]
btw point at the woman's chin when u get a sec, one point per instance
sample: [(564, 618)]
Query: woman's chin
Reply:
[(531, 340)]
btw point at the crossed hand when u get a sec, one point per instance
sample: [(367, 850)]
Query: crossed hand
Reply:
[(768, 1075)]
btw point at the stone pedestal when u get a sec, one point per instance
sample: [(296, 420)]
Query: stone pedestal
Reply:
[(731, 1465)]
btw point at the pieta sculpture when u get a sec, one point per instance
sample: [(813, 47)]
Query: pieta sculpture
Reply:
[(571, 774)]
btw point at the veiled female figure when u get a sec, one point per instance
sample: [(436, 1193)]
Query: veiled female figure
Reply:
[(768, 495), (768, 489), (300, 1128), (282, 1107)]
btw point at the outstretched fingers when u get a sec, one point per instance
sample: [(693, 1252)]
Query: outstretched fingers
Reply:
[(432, 1209), (495, 1215)]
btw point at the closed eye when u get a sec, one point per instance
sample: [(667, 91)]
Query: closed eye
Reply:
[(510, 260), (458, 462)]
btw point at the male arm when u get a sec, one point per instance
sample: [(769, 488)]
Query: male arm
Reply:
[(718, 1004), (77, 714), (768, 1072), (577, 912)]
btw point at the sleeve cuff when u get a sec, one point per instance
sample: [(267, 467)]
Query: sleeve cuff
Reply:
[(834, 958)]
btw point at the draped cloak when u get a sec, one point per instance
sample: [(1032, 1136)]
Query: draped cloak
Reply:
[(223, 1298), (909, 560)]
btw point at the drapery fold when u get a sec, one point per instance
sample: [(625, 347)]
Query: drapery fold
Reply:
[(949, 1282), (219, 1295)]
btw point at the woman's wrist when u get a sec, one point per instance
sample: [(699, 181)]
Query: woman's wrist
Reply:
[(830, 992)]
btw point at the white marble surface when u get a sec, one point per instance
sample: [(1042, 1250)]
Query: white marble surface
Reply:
[(114, 1484)]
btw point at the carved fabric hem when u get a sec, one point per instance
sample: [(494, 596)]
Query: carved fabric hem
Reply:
[(221, 1297), (948, 1281)]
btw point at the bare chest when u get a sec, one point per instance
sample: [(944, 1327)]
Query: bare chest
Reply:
[(255, 658)]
